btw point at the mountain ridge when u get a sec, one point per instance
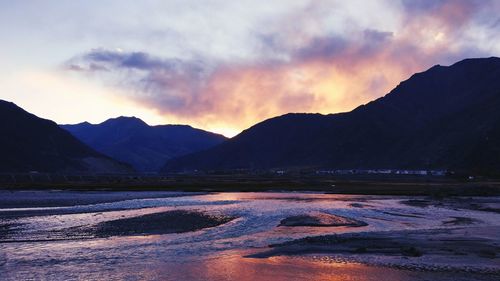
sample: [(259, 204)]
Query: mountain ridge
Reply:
[(147, 148), (30, 143), (427, 121)]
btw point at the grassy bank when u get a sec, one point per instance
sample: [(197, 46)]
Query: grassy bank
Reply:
[(432, 186)]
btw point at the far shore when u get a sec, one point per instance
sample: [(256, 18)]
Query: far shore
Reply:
[(395, 185)]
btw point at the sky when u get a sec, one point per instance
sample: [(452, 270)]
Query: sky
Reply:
[(224, 66)]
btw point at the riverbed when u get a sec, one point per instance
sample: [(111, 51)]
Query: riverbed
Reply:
[(58, 235)]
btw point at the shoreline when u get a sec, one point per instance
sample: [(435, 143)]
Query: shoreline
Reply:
[(435, 187)]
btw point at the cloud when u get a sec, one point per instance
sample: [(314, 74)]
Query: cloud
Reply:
[(171, 85), (300, 65)]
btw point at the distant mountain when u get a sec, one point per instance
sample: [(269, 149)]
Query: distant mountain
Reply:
[(29, 143), (447, 117), (147, 148)]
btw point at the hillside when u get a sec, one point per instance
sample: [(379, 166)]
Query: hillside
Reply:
[(444, 118), (145, 147), (29, 143)]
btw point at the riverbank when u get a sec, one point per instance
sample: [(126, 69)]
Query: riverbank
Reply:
[(373, 185)]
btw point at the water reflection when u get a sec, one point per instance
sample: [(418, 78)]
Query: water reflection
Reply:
[(216, 253), (290, 268)]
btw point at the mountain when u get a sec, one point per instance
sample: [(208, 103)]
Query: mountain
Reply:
[(145, 147), (29, 143), (447, 117)]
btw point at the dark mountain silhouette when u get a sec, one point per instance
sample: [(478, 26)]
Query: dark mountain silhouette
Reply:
[(443, 118), (147, 148), (29, 143)]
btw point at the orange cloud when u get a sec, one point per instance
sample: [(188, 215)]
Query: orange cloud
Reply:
[(311, 72)]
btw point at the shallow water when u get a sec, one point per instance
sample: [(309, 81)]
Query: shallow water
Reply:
[(32, 245)]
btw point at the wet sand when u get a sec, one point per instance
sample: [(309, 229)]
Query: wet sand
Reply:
[(160, 223), (67, 197), (321, 220), (474, 250), (485, 204)]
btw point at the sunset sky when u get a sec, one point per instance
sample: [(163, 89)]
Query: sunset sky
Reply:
[(226, 65)]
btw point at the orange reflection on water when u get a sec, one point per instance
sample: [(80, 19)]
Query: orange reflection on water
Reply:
[(234, 266)]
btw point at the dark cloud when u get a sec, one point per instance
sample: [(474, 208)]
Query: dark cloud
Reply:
[(98, 59), (422, 6), (376, 36), (449, 14), (415, 7), (171, 84), (322, 47)]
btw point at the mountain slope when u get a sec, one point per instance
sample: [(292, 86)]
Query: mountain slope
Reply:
[(29, 143), (443, 118), (147, 148)]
